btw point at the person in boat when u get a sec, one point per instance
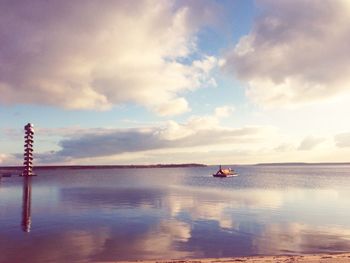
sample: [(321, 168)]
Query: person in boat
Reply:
[(223, 171), (220, 170)]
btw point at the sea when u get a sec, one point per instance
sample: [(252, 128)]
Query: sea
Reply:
[(99, 215)]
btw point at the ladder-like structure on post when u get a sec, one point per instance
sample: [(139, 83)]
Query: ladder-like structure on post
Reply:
[(28, 150)]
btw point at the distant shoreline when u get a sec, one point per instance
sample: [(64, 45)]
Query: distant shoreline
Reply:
[(312, 258), (184, 165), (130, 166), (301, 163)]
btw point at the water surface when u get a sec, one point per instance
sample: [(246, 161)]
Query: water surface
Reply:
[(71, 215)]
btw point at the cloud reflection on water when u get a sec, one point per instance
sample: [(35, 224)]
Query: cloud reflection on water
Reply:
[(295, 238), (106, 220), (173, 216)]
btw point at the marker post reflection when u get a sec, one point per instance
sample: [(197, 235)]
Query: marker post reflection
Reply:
[(26, 205)]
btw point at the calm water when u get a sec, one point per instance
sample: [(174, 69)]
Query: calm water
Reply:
[(68, 215)]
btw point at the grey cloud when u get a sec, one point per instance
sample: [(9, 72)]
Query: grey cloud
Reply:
[(310, 143), (111, 143), (295, 53), (114, 142), (284, 147), (342, 140)]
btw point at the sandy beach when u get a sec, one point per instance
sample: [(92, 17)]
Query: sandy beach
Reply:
[(345, 257)]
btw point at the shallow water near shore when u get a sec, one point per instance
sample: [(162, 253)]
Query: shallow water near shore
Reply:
[(72, 215)]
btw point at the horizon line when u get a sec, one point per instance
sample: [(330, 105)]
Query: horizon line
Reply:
[(169, 165)]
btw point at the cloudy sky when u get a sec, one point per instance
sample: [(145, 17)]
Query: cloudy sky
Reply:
[(149, 81)]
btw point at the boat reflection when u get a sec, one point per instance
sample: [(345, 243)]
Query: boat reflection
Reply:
[(26, 204)]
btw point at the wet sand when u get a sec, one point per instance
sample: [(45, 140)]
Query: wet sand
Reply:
[(345, 257)]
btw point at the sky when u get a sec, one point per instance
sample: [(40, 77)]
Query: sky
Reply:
[(149, 81)]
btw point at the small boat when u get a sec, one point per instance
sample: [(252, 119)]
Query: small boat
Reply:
[(225, 173)]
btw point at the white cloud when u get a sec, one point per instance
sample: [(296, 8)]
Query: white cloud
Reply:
[(9, 159), (224, 111), (173, 131), (295, 53), (3, 157), (94, 55)]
